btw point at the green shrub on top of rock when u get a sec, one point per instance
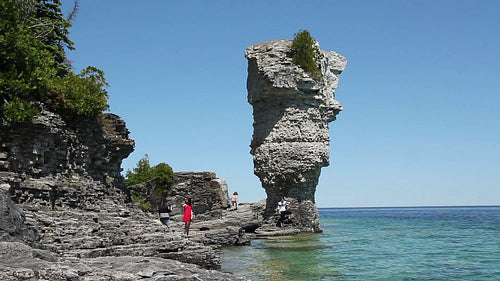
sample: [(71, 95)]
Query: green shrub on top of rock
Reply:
[(304, 51), (145, 192), (164, 174), (144, 173)]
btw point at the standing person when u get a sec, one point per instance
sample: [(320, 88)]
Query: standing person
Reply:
[(164, 213), (282, 205), (234, 201), (188, 215)]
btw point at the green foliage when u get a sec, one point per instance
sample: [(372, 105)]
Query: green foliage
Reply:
[(143, 172), (117, 241), (164, 173), (25, 66), (49, 26), (33, 65), (81, 94), (304, 53), (143, 205), (18, 110)]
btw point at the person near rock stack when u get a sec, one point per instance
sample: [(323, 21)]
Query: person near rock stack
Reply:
[(164, 213), (282, 206), (234, 200), (188, 215)]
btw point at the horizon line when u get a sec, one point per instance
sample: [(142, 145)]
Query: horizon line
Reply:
[(420, 206)]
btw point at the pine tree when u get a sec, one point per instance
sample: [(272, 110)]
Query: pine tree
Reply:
[(304, 53)]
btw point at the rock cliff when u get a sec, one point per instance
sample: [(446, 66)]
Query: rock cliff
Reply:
[(291, 111), (72, 164), (65, 213)]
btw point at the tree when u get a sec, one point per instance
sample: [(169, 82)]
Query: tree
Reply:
[(34, 67), (48, 25), (81, 94), (26, 65), (304, 51), (143, 172), (163, 172)]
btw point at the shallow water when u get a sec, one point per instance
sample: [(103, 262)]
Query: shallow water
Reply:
[(442, 243)]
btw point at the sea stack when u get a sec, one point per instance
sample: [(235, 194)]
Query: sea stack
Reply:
[(291, 112)]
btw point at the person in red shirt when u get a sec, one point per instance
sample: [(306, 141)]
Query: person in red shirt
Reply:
[(188, 215)]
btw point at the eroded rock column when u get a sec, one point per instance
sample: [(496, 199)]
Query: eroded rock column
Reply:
[(291, 113)]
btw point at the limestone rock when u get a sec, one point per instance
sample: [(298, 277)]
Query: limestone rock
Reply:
[(291, 111), (12, 220), (65, 213), (66, 154), (207, 192), (20, 262)]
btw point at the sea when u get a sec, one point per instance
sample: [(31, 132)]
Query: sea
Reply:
[(417, 243)]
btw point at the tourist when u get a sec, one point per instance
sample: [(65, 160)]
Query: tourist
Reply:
[(234, 201), (164, 213), (282, 209), (188, 215)]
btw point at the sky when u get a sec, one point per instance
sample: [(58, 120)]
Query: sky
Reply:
[(421, 91)]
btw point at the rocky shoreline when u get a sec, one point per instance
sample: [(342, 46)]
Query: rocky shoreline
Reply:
[(121, 243), (66, 214)]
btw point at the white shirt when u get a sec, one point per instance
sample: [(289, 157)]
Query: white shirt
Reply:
[(282, 206)]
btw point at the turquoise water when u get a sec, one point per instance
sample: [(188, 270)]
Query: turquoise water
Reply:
[(441, 243)]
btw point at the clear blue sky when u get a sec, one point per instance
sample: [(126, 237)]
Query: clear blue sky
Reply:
[(421, 91)]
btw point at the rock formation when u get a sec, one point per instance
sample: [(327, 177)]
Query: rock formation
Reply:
[(65, 213), (208, 193), (291, 113), (54, 163)]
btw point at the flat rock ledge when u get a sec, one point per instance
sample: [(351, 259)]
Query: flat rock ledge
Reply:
[(26, 263)]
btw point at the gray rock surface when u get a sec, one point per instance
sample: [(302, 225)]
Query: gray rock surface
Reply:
[(117, 243), (87, 149), (65, 213), (291, 111), (12, 227), (21, 262)]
